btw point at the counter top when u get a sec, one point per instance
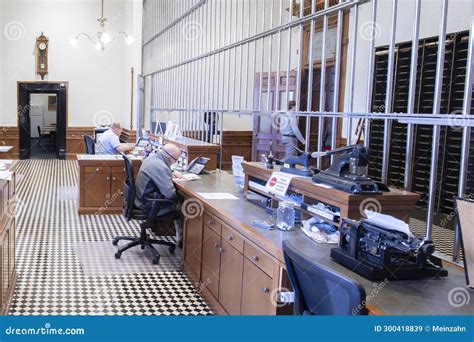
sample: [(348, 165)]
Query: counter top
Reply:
[(414, 297)]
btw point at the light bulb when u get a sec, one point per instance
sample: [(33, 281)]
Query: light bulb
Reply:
[(129, 40), (73, 42), (105, 38)]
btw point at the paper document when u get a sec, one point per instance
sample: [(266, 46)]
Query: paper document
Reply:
[(387, 222), (217, 195)]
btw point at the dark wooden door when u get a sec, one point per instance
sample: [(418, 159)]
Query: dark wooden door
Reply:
[(211, 257), (230, 282), (193, 244), (265, 128), (256, 291)]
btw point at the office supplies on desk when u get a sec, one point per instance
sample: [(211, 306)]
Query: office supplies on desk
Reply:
[(348, 171), (263, 225), (320, 231), (379, 253)]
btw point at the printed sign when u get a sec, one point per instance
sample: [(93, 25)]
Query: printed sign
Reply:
[(278, 183)]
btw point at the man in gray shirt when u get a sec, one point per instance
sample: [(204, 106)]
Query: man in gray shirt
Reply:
[(155, 180)]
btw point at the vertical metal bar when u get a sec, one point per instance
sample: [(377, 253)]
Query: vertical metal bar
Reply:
[(300, 62), (270, 56), (337, 80), (370, 73), (310, 77), (322, 89), (277, 83), (466, 133), (287, 83), (250, 77), (262, 61), (241, 64), (352, 74), (436, 110), (411, 98), (388, 96)]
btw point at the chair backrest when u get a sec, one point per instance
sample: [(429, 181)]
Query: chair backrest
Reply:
[(39, 131), (129, 190), (320, 290), (89, 144)]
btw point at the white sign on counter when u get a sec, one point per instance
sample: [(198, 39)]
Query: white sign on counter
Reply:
[(279, 183)]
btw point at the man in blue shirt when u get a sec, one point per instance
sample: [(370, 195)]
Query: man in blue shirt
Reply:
[(109, 141)]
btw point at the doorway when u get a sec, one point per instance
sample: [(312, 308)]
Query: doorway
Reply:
[(42, 118)]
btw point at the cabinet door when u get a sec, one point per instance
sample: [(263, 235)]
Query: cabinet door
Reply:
[(193, 244), (211, 256), (96, 189), (230, 280), (11, 248), (256, 291), (116, 189), (4, 239)]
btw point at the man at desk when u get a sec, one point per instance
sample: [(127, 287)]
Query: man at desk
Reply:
[(109, 142), (155, 180)]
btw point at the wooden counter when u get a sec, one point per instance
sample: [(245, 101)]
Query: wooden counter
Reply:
[(8, 208), (397, 203), (239, 268), (101, 181)]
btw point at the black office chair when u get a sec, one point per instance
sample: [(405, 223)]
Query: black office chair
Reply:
[(40, 136), (320, 290), (149, 220), (89, 143)]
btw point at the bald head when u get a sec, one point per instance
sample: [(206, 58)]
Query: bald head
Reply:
[(171, 152)]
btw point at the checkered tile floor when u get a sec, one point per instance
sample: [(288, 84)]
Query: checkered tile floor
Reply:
[(51, 278)]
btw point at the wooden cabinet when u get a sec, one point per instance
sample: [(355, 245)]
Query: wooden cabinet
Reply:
[(230, 278), (117, 180), (211, 257), (96, 191), (235, 275), (193, 247), (256, 291)]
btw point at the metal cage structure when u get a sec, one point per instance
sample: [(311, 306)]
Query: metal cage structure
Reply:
[(202, 56)]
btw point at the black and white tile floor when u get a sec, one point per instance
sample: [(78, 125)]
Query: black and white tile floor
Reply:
[(51, 278)]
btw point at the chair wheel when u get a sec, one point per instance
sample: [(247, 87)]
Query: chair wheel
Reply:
[(118, 255), (171, 249), (115, 242), (156, 261)]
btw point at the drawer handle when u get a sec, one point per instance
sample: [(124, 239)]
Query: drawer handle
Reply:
[(255, 258), (266, 290), (108, 178), (97, 169), (221, 249), (230, 238), (216, 245), (113, 178), (210, 221)]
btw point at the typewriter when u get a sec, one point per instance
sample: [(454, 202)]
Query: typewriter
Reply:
[(378, 253)]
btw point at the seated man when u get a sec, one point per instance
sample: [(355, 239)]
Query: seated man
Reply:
[(155, 180), (109, 141)]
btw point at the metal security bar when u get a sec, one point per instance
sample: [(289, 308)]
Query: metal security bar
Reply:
[(208, 60)]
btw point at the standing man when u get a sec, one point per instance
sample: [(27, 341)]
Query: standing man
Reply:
[(155, 180), (290, 132), (109, 141)]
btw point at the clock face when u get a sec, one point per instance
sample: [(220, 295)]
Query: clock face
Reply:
[(42, 46)]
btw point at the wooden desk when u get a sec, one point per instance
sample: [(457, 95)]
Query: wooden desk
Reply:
[(8, 204), (397, 203), (238, 268), (6, 152), (101, 179), (193, 148)]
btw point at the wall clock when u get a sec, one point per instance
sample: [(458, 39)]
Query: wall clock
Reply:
[(42, 55)]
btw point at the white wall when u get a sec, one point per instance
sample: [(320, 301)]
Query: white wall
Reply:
[(95, 78), (459, 12)]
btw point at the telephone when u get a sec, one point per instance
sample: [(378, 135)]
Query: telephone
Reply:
[(197, 165)]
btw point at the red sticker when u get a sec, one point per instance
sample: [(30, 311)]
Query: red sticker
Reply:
[(273, 182)]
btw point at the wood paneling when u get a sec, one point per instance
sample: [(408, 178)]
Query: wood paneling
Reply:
[(236, 143), (128, 136), (75, 140)]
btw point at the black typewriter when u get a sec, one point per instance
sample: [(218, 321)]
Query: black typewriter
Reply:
[(378, 253)]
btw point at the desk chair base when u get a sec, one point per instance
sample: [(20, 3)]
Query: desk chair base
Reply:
[(145, 243)]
